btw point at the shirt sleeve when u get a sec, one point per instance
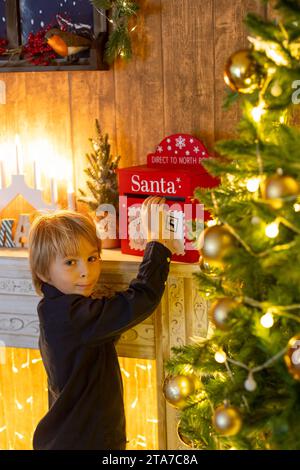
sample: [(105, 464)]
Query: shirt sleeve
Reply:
[(97, 320)]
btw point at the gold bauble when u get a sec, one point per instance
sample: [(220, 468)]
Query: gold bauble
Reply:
[(220, 310), (209, 269), (241, 72), (177, 389), (216, 243), (277, 187), (227, 420), (292, 357), (184, 439)]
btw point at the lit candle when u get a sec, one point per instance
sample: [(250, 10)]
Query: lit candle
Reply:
[(71, 205), (36, 174), (53, 188), (19, 157), (2, 175)]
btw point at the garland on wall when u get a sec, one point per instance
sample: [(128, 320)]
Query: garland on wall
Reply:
[(120, 12), (66, 39)]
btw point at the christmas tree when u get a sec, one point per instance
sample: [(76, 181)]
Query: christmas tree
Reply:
[(101, 172), (240, 388)]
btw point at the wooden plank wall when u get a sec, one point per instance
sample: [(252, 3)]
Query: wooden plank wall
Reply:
[(173, 84)]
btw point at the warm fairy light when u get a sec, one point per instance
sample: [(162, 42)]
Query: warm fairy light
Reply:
[(253, 184), (220, 357), (267, 320), (211, 223), (282, 119), (272, 230), (271, 49), (141, 366), (134, 403), (276, 57), (258, 111), (25, 401), (34, 361), (132, 29), (18, 405), (187, 369), (297, 207), (142, 444), (127, 375), (250, 384)]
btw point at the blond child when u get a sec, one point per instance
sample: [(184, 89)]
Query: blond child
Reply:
[(77, 332)]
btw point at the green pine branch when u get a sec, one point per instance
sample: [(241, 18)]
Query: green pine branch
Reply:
[(119, 14), (102, 181)]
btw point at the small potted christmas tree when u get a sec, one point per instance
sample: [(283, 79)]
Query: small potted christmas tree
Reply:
[(102, 183)]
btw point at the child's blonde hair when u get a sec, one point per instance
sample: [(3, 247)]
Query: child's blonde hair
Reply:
[(57, 234)]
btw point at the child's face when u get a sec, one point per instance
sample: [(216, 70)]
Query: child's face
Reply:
[(76, 274)]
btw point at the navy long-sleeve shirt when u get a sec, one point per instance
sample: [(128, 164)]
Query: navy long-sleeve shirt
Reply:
[(76, 342)]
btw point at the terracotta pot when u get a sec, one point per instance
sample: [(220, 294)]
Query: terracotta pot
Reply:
[(108, 243)]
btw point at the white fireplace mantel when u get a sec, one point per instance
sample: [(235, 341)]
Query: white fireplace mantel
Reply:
[(181, 316)]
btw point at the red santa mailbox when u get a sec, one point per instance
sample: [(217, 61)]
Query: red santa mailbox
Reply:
[(173, 171)]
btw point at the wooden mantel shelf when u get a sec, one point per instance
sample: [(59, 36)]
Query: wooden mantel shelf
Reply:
[(180, 317), (114, 257)]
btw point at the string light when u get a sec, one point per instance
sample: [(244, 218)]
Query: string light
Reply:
[(297, 207), (282, 119), (253, 184), (271, 49), (272, 230), (134, 403), (141, 366), (26, 407), (34, 361), (18, 405), (258, 111), (211, 223), (250, 384), (267, 320), (220, 357)]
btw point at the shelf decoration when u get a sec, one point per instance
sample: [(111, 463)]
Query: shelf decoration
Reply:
[(33, 196), (27, 41)]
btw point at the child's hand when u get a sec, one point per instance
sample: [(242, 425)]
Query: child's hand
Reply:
[(152, 217), (154, 214)]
